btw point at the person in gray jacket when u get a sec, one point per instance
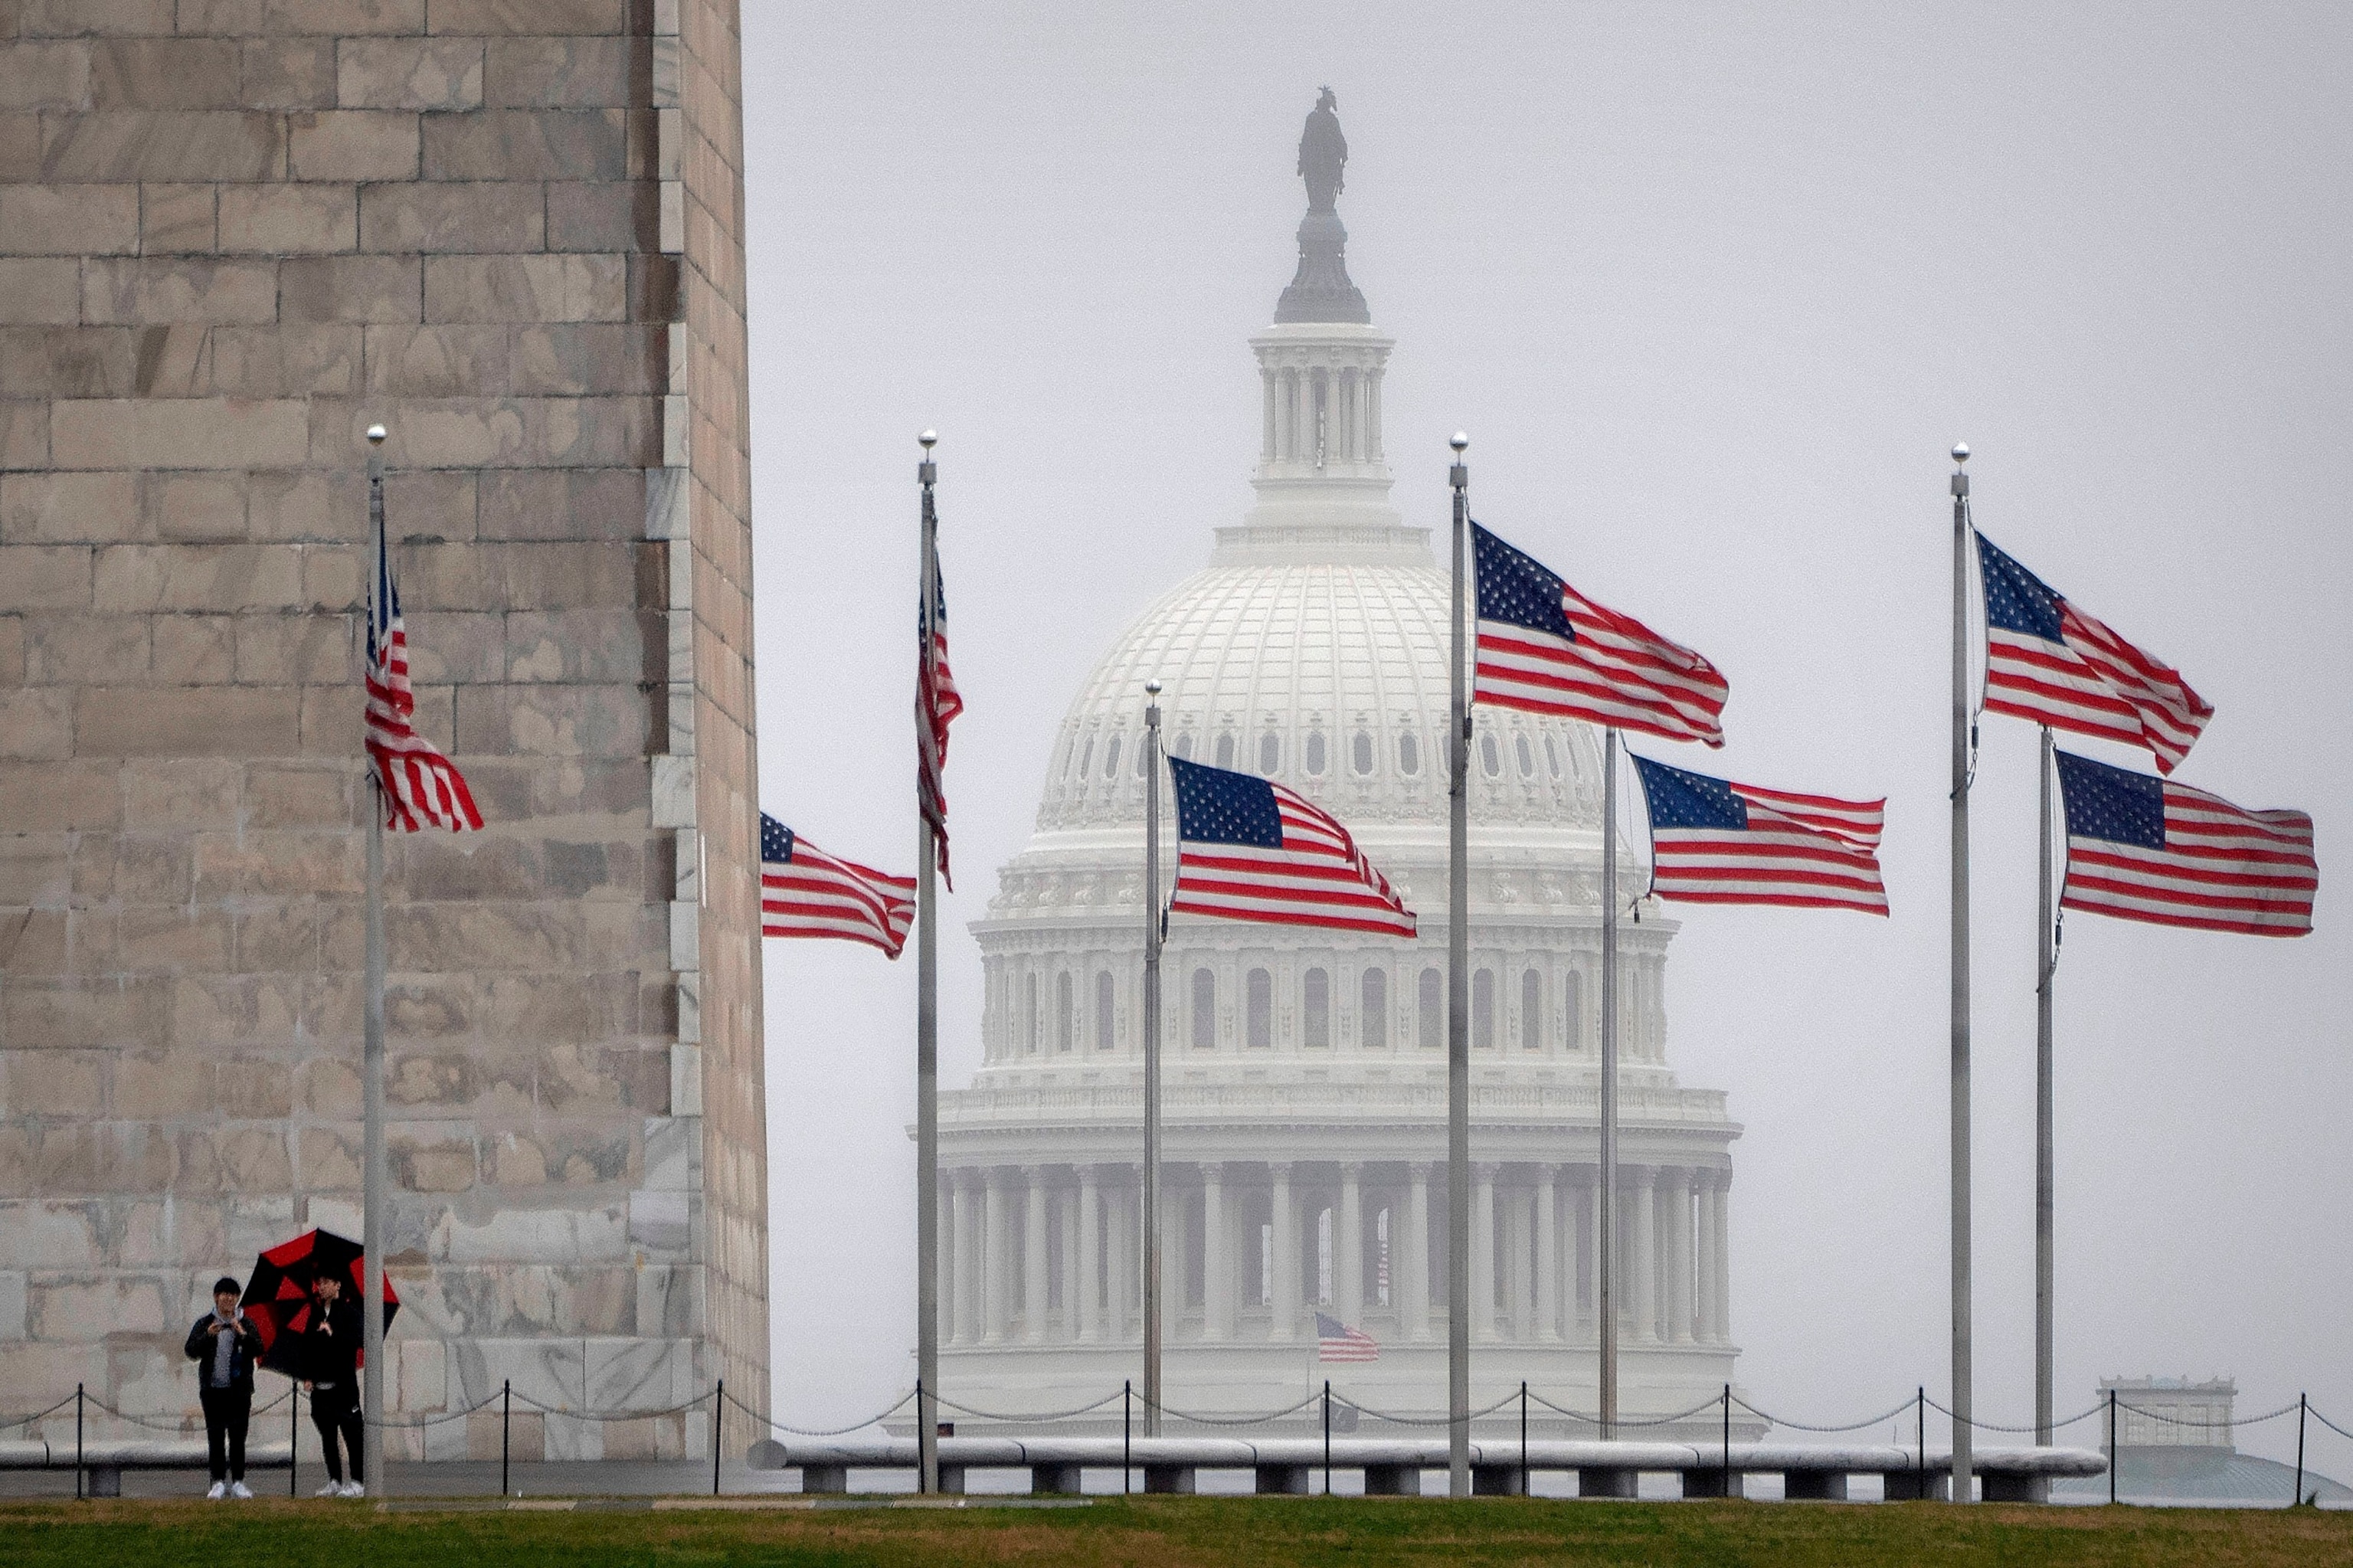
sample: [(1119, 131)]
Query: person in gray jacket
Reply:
[(225, 1345)]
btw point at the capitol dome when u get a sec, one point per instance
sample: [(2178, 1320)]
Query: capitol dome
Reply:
[(1303, 1071)]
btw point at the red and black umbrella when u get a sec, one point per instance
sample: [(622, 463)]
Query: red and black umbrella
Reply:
[(279, 1300)]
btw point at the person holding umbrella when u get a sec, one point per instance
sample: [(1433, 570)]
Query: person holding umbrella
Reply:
[(329, 1357), (224, 1344)]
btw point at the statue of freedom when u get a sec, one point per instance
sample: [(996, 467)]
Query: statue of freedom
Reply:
[(1323, 154)]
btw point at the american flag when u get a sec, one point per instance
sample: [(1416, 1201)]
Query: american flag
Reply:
[(2049, 661), (804, 892), (1249, 849), (2147, 849), (420, 787), (1715, 842), (937, 703), (1547, 649), (1336, 1341)]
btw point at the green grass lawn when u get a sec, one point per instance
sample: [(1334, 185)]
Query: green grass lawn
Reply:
[(1168, 1531)]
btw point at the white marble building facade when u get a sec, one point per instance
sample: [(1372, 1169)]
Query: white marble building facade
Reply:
[(1303, 1071)]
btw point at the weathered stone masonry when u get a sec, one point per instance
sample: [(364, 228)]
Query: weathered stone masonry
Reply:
[(233, 233)]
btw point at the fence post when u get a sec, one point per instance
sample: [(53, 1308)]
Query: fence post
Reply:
[(1727, 1439), (294, 1438), (77, 1442), (1126, 1432), (1327, 1436), (2113, 1455), (1524, 1437), (1920, 1433), (2301, 1401), (719, 1413), (506, 1425)]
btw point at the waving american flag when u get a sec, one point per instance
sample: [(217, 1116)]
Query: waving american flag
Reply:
[(937, 704), (804, 892), (1249, 849), (420, 787), (1338, 1342), (1547, 649), (1715, 842), (2148, 849), (2049, 661)]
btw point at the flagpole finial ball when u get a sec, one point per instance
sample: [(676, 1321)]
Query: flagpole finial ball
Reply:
[(1960, 451), (928, 437), (1152, 688), (1460, 441), (375, 434)]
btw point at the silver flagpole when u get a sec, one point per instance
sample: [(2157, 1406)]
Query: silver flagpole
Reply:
[(1605, 1271), (2045, 1197), (1962, 1401), (1458, 1016), (927, 1049), (372, 1197), (1152, 939)]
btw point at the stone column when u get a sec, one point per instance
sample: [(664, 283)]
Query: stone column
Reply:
[(996, 1244), (1285, 1219), (1348, 1246), (1643, 1253), (960, 1324), (1033, 1257), (1587, 1193), (1681, 1258), (1547, 1253), (1413, 1279), (1216, 1256), (1067, 1202), (1483, 1253), (1720, 1198), (1120, 1263), (1704, 1258), (1090, 1269)]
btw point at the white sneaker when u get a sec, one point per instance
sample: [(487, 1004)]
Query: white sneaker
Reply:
[(332, 1489), (240, 1491), (220, 1490), (355, 1490)]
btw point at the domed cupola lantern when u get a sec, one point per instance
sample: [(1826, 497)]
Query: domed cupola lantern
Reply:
[(1303, 1077)]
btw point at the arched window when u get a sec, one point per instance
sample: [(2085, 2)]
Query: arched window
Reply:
[(1490, 757), (1315, 753), (1483, 1010), (1029, 1013), (1432, 1008), (1226, 749), (1552, 756), (1408, 753), (1373, 1007), (1111, 758), (1572, 1008), (1315, 1006), (1204, 1009), (1270, 753), (1086, 755), (1261, 1010), (1527, 758), (1381, 1256), (1065, 1012), (1360, 753), (1530, 1011), (1184, 747), (1143, 757), (1103, 1015)]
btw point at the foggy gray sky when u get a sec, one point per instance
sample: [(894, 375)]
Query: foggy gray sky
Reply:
[(1713, 289)]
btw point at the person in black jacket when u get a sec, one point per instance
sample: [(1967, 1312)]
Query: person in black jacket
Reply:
[(224, 1344), (329, 1359)]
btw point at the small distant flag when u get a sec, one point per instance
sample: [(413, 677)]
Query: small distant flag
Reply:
[(937, 704), (2049, 661), (804, 892), (1336, 1341), (1251, 849), (1547, 649), (421, 787), (1715, 842), (2148, 849)]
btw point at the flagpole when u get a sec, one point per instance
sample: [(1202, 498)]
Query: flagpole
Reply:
[(1605, 1295), (1458, 1015), (1962, 1401), (2045, 1196), (372, 1197), (927, 1055), (1152, 940)]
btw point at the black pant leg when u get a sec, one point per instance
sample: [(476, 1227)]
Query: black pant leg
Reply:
[(326, 1417), (356, 1438), (215, 1433), (239, 1403)]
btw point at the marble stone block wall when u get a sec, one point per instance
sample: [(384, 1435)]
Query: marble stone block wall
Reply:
[(233, 234)]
